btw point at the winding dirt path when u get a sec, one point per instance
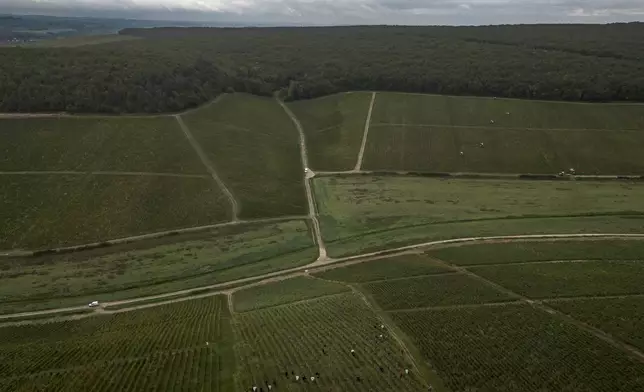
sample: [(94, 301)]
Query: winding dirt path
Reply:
[(367, 124), (316, 266), (308, 175), (210, 167)]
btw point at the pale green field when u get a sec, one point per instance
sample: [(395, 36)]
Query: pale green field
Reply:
[(364, 212), (395, 108), (137, 270), (334, 126)]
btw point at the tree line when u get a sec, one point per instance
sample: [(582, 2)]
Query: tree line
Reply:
[(173, 69)]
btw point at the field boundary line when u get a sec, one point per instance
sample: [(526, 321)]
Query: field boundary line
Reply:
[(320, 266), (483, 127), (210, 167), (589, 260), (148, 236), (100, 173), (540, 305), (457, 306), (308, 175), (407, 277), (298, 302), (589, 297), (365, 134)]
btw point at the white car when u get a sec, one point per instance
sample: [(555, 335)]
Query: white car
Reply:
[(306, 170), (93, 304)]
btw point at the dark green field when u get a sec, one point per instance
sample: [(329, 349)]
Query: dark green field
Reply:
[(130, 144), (55, 210), (334, 127), (254, 147)]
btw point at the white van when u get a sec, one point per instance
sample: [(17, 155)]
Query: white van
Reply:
[(93, 304)]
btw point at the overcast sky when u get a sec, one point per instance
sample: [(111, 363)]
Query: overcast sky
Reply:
[(452, 12)]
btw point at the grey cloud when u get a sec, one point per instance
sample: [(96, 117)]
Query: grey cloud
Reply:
[(347, 11)]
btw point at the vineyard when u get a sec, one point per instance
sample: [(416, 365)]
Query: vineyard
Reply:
[(179, 347), (284, 292), (426, 291), (408, 265), (178, 263), (517, 348), (55, 210), (254, 147), (620, 317), (569, 279), (313, 341), (152, 144), (519, 252), (334, 128)]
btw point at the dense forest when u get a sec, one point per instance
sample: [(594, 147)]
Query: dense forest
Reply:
[(172, 69)]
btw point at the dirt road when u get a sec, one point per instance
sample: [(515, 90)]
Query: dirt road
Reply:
[(99, 173), (367, 124), (319, 265)]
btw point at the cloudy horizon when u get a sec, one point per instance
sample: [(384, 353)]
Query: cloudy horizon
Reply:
[(330, 12)]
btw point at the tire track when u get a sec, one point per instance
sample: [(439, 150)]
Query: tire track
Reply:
[(367, 124), (210, 167)]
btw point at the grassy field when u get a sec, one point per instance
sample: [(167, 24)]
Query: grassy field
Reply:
[(621, 317), (426, 291), (334, 126), (153, 144), (569, 279), (352, 207), (393, 108), (184, 346), (284, 292), (389, 268), (517, 348), (519, 252), (255, 149), (315, 339), (56, 210), (173, 264), (507, 150), (72, 42)]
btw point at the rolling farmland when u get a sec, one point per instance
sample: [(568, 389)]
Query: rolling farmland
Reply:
[(355, 207), (517, 348), (390, 268), (284, 292), (185, 346), (54, 210), (254, 148), (315, 339), (154, 267), (129, 144), (430, 291), (520, 252), (334, 127), (568, 279), (429, 133)]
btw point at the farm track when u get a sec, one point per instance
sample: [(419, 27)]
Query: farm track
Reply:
[(100, 173), (148, 236), (210, 167), (317, 266), (313, 213), (367, 124), (541, 305)]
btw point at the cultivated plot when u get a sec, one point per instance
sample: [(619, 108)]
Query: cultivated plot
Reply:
[(622, 318), (178, 347), (567, 279), (416, 109), (284, 292), (508, 150), (153, 267), (517, 348), (57, 210), (390, 268), (153, 144), (255, 150), (360, 205), (521, 252), (334, 126), (287, 345), (426, 291)]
